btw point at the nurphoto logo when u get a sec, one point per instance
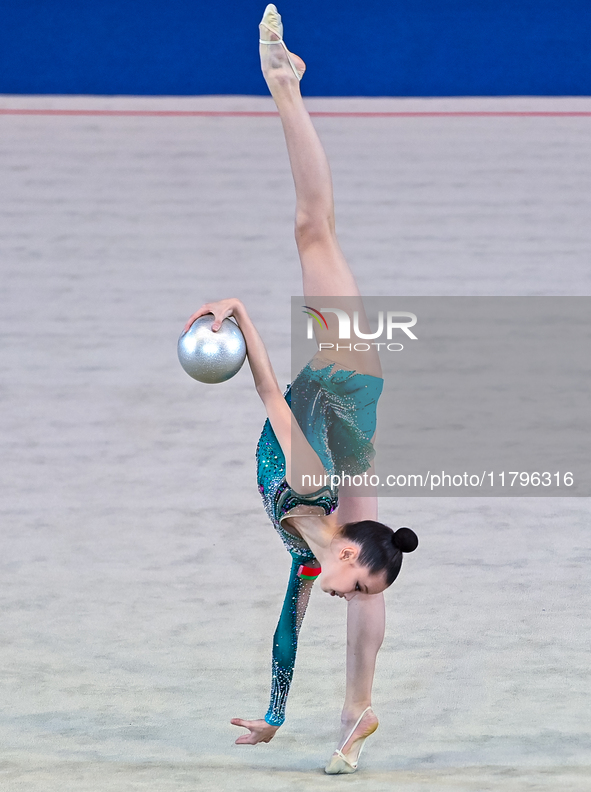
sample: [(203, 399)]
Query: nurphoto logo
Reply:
[(393, 322)]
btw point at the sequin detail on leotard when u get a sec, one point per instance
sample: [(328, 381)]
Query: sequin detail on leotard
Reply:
[(336, 410), (286, 499), (278, 497)]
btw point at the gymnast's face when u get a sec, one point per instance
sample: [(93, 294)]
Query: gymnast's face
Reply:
[(343, 576)]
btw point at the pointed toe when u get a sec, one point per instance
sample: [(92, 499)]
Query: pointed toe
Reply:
[(338, 765)]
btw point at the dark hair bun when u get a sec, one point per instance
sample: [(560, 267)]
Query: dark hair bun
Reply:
[(406, 540)]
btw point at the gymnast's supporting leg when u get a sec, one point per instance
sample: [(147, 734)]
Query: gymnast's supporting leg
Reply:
[(366, 624)]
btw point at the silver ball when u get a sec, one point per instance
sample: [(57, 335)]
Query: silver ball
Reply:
[(212, 357)]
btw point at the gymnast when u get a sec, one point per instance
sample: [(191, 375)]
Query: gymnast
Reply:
[(324, 425)]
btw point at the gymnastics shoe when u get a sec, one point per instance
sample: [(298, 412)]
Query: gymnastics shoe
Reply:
[(345, 763), (271, 25)]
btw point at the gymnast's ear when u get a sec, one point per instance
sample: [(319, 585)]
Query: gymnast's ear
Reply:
[(349, 553)]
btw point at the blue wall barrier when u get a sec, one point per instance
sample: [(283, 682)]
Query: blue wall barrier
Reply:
[(352, 47)]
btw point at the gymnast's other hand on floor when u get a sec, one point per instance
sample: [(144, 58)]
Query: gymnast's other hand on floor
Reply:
[(260, 731)]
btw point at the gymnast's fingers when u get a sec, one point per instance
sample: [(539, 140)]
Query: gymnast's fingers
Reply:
[(205, 309), (246, 724), (219, 318), (244, 738)]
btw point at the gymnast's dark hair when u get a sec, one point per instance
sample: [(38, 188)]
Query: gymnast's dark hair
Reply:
[(381, 547)]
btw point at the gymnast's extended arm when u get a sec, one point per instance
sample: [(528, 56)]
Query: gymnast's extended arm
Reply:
[(299, 454)]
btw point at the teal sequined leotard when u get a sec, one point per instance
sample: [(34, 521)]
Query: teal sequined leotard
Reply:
[(336, 409)]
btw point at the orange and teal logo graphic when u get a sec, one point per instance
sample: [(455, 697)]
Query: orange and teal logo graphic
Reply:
[(315, 315)]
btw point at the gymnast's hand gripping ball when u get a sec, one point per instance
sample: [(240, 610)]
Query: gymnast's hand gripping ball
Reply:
[(212, 357)]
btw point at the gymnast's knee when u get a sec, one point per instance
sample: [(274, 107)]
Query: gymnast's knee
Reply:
[(312, 228)]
